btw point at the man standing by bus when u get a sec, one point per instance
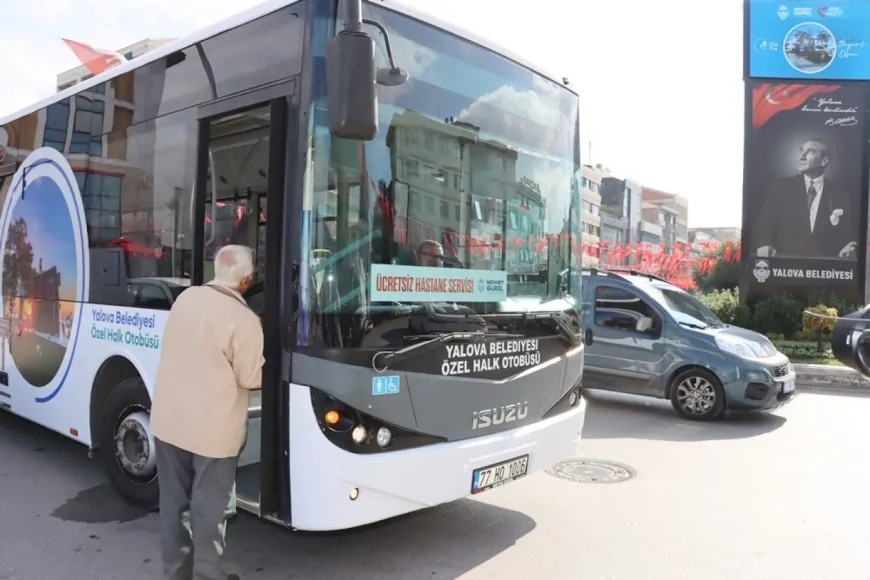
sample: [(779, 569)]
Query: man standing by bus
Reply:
[(212, 356)]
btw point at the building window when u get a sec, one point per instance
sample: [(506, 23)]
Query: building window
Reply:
[(56, 124), (415, 200), (457, 182), (429, 141), (101, 196), (445, 210), (430, 204), (88, 127)]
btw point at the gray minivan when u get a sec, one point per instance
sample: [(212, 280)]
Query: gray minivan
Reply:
[(645, 336)]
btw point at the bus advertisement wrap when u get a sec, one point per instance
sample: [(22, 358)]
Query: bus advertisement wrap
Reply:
[(47, 287), (809, 40), (802, 197)]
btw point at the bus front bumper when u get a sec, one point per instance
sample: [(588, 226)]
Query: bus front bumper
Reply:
[(333, 489)]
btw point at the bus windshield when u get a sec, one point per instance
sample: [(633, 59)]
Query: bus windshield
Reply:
[(464, 210)]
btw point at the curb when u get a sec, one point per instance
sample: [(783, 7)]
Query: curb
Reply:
[(830, 376)]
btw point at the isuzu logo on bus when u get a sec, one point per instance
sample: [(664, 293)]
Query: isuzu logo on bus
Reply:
[(499, 415)]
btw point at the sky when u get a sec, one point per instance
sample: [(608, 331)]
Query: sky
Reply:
[(660, 83), (50, 232)]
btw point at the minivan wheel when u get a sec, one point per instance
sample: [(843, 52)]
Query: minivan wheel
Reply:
[(697, 394)]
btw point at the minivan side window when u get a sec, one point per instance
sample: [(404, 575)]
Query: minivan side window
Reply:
[(620, 309)]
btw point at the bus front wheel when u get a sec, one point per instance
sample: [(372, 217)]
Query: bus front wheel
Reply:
[(127, 444)]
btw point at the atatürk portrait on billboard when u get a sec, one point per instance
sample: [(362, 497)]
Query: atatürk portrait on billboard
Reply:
[(804, 174)]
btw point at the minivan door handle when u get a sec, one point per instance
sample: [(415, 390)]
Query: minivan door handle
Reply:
[(588, 338)]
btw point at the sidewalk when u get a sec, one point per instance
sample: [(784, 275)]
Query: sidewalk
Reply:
[(830, 376)]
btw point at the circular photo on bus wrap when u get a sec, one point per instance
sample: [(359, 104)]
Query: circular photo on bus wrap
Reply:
[(43, 271), (810, 47)]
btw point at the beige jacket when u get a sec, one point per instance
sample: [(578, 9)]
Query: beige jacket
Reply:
[(211, 358)]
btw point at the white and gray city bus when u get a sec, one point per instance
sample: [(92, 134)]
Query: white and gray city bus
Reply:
[(412, 197)]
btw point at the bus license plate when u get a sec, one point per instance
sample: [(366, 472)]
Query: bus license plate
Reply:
[(495, 475)]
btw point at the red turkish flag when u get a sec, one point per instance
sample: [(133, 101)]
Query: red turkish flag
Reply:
[(769, 99), (96, 60)]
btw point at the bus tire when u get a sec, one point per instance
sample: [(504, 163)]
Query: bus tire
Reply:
[(127, 445)]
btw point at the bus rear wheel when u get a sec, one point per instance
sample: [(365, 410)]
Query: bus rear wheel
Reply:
[(127, 444)]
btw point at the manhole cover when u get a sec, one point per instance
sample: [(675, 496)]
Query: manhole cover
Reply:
[(591, 471)]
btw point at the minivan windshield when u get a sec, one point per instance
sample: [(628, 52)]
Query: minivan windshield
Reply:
[(465, 205), (686, 308)]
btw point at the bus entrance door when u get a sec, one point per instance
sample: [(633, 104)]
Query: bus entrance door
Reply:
[(233, 187)]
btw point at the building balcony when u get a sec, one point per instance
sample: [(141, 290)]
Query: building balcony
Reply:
[(590, 196), (613, 222), (651, 229), (591, 219)]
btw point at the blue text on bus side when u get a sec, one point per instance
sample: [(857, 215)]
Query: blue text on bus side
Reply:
[(118, 336), (136, 320)]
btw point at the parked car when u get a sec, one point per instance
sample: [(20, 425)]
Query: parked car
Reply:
[(645, 336), (155, 292)]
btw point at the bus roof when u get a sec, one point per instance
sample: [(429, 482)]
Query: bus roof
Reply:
[(252, 14)]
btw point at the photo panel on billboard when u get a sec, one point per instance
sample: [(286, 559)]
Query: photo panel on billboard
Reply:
[(803, 223), (809, 40)]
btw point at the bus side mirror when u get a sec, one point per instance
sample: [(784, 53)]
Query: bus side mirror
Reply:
[(351, 94)]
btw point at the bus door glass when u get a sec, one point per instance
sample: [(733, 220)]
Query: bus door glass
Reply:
[(237, 181)]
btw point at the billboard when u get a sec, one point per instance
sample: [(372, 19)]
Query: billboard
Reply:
[(809, 39), (803, 226)]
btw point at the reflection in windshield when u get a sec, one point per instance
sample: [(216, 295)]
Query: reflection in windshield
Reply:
[(682, 303), (467, 202)]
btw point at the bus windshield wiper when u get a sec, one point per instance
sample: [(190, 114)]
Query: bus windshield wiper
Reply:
[(560, 318), (388, 357)]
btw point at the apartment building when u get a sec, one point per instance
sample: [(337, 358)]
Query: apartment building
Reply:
[(620, 213), (670, 204), (80, 73), (723, 235), (592, 177)]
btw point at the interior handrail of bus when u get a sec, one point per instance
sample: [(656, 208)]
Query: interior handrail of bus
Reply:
[(213, 216), (213, 234), (244, 163)]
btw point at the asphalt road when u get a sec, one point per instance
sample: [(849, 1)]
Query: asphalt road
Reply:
[(756, 497)]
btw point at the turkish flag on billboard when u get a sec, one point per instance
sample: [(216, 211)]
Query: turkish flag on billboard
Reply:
[(95, 60), (769, 99)]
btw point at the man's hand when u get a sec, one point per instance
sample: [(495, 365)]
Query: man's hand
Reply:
[(848, 250), (766, 252)]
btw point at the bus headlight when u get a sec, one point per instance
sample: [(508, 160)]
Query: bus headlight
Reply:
[(359, 434), (384, 436)]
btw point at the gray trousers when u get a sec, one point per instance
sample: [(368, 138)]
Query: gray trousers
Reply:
[(195, 500)]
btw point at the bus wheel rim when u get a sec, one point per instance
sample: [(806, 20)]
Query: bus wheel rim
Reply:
[(134, 445)]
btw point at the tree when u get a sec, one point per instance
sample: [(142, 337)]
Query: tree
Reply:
[(17, 259), (724, 275)]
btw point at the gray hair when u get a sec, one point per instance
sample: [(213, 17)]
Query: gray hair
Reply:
[(232, 264)]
